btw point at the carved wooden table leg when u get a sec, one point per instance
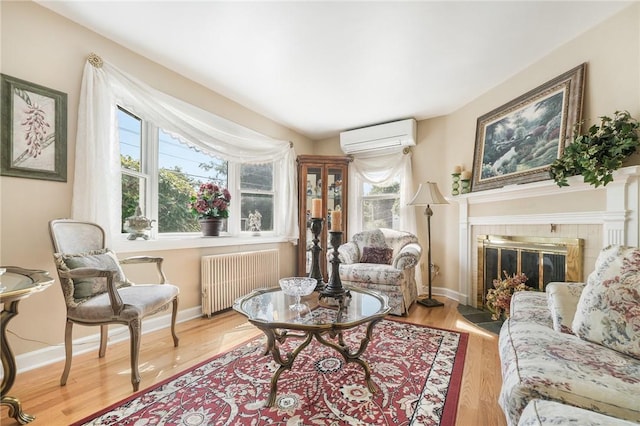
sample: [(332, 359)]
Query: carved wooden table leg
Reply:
[(273, 338), (349, 356)]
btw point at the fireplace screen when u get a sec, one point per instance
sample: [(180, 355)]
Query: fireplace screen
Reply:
[(542, 260)]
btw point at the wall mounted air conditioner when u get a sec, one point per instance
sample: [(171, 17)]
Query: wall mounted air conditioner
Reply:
[(381, 137)]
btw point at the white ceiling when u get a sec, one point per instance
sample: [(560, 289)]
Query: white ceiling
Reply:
[(323, 67)]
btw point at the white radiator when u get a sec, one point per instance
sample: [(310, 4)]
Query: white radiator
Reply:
[(228, 276)]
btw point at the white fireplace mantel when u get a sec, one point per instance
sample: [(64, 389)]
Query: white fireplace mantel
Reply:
[(619, 220)]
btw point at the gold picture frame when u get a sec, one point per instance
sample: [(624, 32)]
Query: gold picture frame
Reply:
[(517, 142)]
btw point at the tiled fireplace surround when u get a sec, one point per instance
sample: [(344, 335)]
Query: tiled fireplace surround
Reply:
[(617, 223)]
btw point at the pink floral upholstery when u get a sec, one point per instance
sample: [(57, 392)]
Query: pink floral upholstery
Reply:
[(608, 312), (396, 280), (562, 299), (539, 362), (548, 413)]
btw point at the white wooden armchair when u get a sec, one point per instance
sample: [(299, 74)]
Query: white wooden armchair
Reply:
[(97, 292), (383, 260)]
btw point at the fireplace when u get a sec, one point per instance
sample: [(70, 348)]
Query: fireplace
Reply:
[(600, 216), (541, 259)]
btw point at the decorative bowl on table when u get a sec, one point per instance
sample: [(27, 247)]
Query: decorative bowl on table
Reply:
[(297, 287)]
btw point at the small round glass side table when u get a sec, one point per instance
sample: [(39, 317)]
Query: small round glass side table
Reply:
[(15, 284)]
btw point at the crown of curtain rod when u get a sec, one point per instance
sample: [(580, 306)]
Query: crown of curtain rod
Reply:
[(95, 60)]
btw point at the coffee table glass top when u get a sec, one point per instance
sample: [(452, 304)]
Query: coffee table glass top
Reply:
[(271, 306)]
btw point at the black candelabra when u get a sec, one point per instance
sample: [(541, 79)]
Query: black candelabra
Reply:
[(316, 228), (334, 288)]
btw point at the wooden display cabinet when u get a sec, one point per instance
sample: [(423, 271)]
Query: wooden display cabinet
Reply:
[(326, 178)]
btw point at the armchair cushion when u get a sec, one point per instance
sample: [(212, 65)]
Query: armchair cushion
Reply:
[(139, 301), (562, 298), (372, 274), (379, 255), (98, 259), (608, 312)]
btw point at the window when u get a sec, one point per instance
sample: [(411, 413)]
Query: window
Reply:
[(256, 192), (159, 174), (134, 182), (380, 205)]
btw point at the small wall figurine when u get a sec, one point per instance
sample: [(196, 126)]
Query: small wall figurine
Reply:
[(255, 222)]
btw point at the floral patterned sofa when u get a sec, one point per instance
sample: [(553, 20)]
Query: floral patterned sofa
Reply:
[(383, 260), (540, 412), (577, 344)]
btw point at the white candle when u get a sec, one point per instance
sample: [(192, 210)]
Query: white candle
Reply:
[(336, 221), (316, 208)]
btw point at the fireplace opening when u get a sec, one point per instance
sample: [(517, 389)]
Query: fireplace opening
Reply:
[(542, 260)]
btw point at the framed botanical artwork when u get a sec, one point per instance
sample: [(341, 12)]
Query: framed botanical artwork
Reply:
[(517, 142), (34, 130)]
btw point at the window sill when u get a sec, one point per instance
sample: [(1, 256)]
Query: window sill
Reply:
[(122, 245)]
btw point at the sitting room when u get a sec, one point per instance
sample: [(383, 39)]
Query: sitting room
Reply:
[(320, 213)]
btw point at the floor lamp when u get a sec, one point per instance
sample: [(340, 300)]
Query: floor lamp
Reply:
[(428, 193)]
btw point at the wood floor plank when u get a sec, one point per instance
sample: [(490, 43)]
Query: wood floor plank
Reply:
[(95, 383)]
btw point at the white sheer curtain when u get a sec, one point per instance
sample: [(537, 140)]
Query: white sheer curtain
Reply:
[(97, 191), (380, 170)]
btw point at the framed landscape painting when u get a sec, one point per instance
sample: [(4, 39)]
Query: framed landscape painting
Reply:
[(517, 142), (34, 130)]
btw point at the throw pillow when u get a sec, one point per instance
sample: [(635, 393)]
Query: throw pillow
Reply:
[(608, 312), (99, 259), (614, 260), (562, 299), (379, 255)]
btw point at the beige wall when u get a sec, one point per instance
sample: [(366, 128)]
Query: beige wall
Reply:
[(47, 49), (328, 146)]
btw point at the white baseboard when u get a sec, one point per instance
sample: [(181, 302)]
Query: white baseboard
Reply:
[(451, 294), (117, 333)]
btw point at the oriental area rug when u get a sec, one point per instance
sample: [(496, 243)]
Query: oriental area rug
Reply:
[(417, 369)]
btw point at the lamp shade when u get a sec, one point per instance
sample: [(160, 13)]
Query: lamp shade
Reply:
[(428, 193)]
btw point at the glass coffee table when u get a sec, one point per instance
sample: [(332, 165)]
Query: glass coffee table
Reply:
[(268, 309)]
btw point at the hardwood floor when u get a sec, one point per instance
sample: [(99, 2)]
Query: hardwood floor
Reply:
[(95, 383)]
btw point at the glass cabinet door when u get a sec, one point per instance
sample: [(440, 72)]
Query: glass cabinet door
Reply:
[(313, 191), (322, 178), (334, 197)]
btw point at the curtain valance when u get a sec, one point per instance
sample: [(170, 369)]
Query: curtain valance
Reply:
[(97, 191)]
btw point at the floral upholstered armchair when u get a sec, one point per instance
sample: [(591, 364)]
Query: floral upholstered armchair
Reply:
[(383, 260)]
